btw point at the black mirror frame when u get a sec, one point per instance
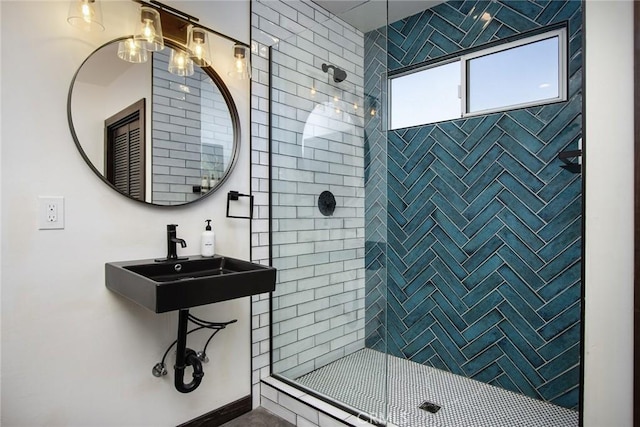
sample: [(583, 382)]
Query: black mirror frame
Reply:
[(226, 95)]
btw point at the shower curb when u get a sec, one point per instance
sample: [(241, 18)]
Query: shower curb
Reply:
[(294, 404)]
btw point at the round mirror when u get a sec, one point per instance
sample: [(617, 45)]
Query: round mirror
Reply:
[(152, 135)]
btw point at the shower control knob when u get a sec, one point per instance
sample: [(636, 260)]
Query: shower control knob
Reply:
[(159, 370)]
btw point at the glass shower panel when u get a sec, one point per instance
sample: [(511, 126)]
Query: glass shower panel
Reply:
[(329, 269)]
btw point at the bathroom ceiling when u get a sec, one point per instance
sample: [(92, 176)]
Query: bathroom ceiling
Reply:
[(367, 15)]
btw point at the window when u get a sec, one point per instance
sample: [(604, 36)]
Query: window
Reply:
[(428, 96), (523, 73)]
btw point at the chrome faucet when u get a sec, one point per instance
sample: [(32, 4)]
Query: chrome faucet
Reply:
[(172, 240)]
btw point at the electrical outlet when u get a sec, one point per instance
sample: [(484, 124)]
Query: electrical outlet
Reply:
[(51, 213)]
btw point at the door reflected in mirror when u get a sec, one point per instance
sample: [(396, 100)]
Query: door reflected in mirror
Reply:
[(152, 135)]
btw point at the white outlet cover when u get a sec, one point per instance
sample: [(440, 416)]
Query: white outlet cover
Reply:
[(43, 215)]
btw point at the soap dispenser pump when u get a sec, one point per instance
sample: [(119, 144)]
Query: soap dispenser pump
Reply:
[(208, 242)]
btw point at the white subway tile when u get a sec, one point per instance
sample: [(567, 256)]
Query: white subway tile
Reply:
[(296, 224), (314, 329), (325, 178), (287, 338), (284, 314), (343, 319), (269, 392), (329, 290), (333, 267), (354, 264), (329, 245), (328, 223), (342, 298), (311, 306), (344, 340), (260, 334), (299, 408), (296, 52), (314, 352), (284, 237), (285, 263), (281, 212), (316, 166), (284, 161), (313, 283), (278, 410), (307, 188), (313, 259), (345, 276), (342, 255), (307, 212), (329, 334), (296, 273), (296, 347), (296, 323), (303, 422), (301, 176), (317, 50)]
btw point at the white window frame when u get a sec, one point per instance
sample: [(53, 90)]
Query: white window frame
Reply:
[(560, 33)]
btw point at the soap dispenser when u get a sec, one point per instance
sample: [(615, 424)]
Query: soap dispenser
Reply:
[(208, 242)]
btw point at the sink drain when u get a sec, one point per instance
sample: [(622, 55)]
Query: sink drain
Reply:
[(430, 407)]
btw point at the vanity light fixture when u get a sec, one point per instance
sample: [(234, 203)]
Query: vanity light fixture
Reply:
[(242, 67), (180, 63), (85, 14), (182, 30), (199, 46), (131, 50), (150, 30)]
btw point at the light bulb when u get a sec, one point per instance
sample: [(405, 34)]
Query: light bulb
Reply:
[(87, 13), (180, 64), (148, 31), (199, 47), (130, 50)]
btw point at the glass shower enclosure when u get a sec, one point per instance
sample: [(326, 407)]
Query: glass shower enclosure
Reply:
[(431, 274)]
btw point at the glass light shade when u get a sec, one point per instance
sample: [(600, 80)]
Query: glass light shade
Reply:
[(199, 47), (149, 32), (241, 65), (180, 64), (85, 14), (131, 50)]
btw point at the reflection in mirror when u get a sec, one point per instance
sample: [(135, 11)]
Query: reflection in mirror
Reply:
[(154, 136)]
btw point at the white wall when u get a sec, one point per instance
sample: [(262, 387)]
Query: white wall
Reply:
[(74, 353), (608, 384)]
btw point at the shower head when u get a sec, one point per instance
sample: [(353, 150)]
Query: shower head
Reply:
[(339, 75)]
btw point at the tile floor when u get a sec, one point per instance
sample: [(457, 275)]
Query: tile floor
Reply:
[(360, 380), (259, 417)]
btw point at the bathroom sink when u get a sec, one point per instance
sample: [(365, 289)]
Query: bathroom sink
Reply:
[(177, 284)]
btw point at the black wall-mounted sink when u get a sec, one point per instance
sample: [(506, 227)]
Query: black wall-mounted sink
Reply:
[(174, 285)]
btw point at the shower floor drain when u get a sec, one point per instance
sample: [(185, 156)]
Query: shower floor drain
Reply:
[(430, 407)]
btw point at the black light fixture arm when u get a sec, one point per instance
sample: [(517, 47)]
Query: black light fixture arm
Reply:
[(189, 19)]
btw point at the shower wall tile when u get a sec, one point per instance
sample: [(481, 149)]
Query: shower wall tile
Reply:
[(310, 289), (484, 242)]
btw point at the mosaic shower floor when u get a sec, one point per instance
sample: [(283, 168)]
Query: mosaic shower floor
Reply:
[(358, 380)]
